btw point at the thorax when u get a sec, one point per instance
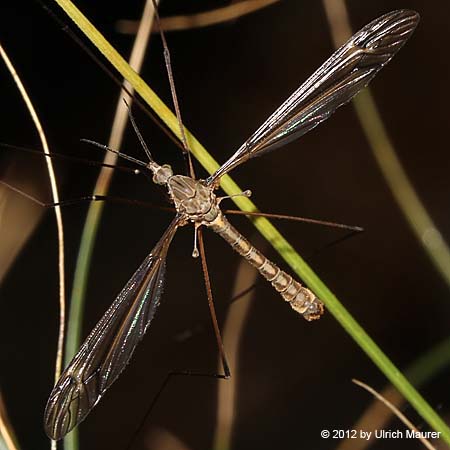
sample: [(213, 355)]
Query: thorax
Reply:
[(193, 198)]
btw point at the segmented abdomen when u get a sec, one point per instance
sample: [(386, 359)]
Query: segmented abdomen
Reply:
[(300, 298)]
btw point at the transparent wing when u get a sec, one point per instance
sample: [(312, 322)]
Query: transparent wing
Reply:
[(110, 345), (340, 78)]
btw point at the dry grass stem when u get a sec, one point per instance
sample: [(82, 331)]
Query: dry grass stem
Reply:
[(421, 371), (58, 215), (396, 411), (204, 19), (374, 418), (55, 197), (121, 116)]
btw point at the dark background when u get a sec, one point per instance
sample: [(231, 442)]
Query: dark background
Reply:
[(294, 377)]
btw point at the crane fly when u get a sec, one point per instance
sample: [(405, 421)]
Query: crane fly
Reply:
[(110, 345)]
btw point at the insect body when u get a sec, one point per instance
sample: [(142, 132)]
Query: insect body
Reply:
[(196, 202), (110, 345)]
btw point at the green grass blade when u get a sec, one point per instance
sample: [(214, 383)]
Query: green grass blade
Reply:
[(78, 297), (275, 238)]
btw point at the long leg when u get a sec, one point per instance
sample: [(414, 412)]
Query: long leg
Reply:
[(165, 383), (189, 373), (295, 219), (353, 230), (212, 309), (187, 151), (87, 198), (61, 156)]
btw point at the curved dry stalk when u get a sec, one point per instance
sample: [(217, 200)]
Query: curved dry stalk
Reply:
[(376, 417), (395, 176), (58, 214), (6, 429), (373, 418), (232, 332), (396, 411), (96, 208), (199, 20)]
